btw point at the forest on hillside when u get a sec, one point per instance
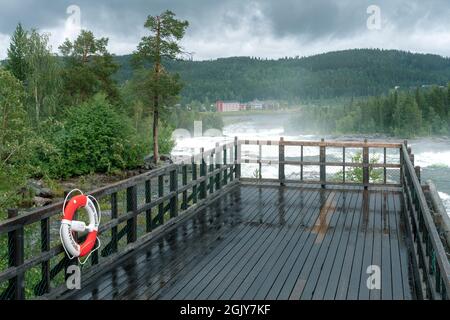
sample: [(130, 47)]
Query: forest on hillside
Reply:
[(349, 73), (401, 113)]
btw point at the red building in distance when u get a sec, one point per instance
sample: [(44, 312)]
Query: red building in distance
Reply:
[(229, 106)]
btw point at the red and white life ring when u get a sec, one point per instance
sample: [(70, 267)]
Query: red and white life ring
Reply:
[(69, 226)]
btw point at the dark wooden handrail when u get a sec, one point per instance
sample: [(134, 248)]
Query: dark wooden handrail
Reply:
[(430, 254), (322, 163)]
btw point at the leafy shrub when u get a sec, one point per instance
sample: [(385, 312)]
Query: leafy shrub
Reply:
[(356, 174), (94, 138), (13, 139)]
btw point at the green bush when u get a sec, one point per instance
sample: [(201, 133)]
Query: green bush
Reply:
[(95, 138)]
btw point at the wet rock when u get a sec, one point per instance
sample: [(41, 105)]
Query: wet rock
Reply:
[(38, 189), (149, 163), (45, 193), (41, 202), (166, 158)]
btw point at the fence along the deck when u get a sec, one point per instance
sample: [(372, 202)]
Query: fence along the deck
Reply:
[(186, 191), (429, 253), (364, 148)]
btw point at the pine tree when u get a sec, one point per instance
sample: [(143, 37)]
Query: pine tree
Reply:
[(89, 68), (157, 86), (16, 63)]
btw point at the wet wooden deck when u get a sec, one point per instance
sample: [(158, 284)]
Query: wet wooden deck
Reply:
[(271, 242)]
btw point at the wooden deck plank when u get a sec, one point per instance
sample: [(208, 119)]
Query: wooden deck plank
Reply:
[(186, 260), (397, 283), (263, 265), (404, 258), (216, 259), (236, 274), (151, 285), (272, 290), (241, 259), (271, 270), (294, 286), (328, 248), (386, 264), (375, 293), (329, 275), (364, 292), (338, 285), (355, 274)]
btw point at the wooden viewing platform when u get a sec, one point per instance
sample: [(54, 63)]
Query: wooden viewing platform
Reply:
[(204, 229)]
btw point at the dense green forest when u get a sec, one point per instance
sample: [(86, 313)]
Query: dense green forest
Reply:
[(402, 113), (359, 72)]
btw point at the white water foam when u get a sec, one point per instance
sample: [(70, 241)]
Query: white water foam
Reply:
[(435, 158), (446, 201)]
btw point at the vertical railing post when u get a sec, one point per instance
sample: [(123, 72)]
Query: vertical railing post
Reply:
[(237, 157), (418, 173), (301, 165), (132, 207), (281, 157), (203, 175), (45, 246), (161, 205), (16, 255), (148, 200), (211, 170), (225, 163), (114, 215), (173, 185), (218, 167), (259, 161), (366, 177), (384, 169), (184, 205), (402, 163), (323, 168), (343, 166), (194, 179)]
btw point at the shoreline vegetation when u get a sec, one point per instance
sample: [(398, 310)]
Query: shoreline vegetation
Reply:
[(419, 112)]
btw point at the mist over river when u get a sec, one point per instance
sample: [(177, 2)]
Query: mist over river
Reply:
[(431, 154)]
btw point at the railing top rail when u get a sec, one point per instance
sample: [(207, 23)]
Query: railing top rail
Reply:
[(337, 144), (441, 256)]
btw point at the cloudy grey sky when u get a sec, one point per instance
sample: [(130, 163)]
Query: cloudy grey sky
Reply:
[(263, 28)]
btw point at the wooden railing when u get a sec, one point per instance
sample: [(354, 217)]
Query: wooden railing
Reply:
[(429, 257), (365, 172), (200, 179), (138, 210)]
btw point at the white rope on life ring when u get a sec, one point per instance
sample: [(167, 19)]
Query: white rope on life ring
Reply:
[(70, 226)]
